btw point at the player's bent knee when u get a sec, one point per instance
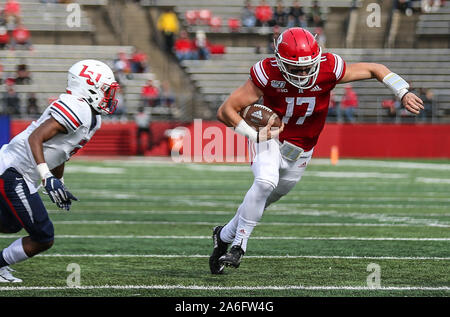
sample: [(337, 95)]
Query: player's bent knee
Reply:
[(42, 246), (264, 187)]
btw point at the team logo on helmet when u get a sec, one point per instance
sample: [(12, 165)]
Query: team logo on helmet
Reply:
[(94, 82)]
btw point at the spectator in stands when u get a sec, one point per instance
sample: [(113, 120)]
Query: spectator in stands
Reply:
[(149, 94), (392, 106), (1, 74), (21, 36), (349, 103), (168, 25), (201, 44), (296, 15), (32, 107), (334, 110), (248, 15), (272, 39), (280, 14), (431, 5), (320, 36), (23, 76), (404, 6), (263, 14), (12, 11), (166, 96), (139, 62), (143, 121), (4, 37), (122, 67), (315, 17), (427, 96), (11, 101), (184, 47), (121, 110)]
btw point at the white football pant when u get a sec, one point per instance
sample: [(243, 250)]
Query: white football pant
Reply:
[(275, 176)]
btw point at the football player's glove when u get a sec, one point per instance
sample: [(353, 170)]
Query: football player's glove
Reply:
[(55, 189), (66, 204)]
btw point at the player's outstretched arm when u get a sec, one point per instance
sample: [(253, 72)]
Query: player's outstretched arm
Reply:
[(361, 71)]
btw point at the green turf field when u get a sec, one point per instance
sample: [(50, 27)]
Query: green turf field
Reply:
[(142, 228)]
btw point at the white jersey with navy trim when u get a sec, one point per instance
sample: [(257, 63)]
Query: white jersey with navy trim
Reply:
[(80, 122)]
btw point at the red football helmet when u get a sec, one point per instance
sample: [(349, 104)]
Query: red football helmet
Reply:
[(298, 56)]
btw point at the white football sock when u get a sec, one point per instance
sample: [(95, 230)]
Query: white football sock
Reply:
[(228, 232), (251, 210), (15, 252), (243, 232)]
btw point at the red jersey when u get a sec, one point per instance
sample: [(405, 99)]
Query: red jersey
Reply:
[(303, 111)]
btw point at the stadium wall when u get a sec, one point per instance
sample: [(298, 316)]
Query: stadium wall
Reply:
[(352, 140)]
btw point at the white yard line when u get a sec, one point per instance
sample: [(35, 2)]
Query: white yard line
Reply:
[(279, 211), (244, 288), (94, 169), (254, 238), (428, 180), (302, 224), (163, 256)]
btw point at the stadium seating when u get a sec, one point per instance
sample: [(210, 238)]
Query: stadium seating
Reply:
[(53, 16), (435, 23), (423, 68), (232, 9), (48, 65)]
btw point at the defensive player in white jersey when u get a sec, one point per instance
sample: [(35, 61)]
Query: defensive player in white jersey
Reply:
[(36, 158), (296, 84)]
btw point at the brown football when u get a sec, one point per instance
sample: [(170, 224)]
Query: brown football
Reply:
[(257, 116)]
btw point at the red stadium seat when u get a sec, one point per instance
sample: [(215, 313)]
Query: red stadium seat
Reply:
[(205, 16), (234, 24), (215, 23), (191, 17)]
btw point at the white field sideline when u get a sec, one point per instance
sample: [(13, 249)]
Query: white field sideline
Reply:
[(307, 224), (254, 238), (322, 257), (315, 161), (242, 288)]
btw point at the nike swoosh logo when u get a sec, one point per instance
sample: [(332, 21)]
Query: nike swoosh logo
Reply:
[(19, 179)]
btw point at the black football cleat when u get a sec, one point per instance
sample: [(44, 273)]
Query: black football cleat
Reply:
[(233, 257), (220, 248)]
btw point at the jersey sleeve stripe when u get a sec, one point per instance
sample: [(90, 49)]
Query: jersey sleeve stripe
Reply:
[(339, 66), (71, 111), (60, 114), (256, 76), (262, 77), (67, 114)]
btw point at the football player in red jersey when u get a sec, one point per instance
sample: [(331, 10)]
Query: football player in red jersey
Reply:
[(295, 84)]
